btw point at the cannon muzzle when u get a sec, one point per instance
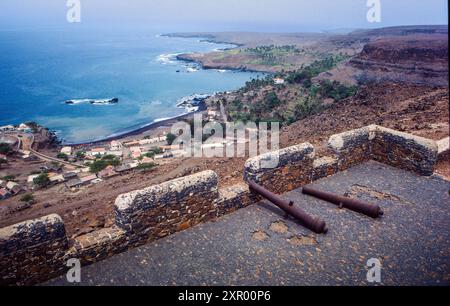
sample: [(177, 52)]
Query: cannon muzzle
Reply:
[(370, 210)]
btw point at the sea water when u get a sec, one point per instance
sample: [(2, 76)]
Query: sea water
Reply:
[(40, 70)]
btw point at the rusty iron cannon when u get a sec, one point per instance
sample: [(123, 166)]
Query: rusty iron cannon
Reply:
[(315, 224), (370, 210)]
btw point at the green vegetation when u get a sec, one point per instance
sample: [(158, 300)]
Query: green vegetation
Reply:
[(272, 55), (29, 198), (170, 138), (33, 126), (41, 181), (336, 90), (100, 164), (292, 101), (9, 177), (146, 166), (80, 154), (5, 149), (153, 152), (305, 75), (62, 156)]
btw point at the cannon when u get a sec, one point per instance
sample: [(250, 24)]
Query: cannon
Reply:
[(370, 210), (315, 224)]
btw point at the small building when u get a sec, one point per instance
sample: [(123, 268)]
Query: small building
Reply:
[(97, 152), (88, 179), (123, 168), (118, 154), (2, 184), (107, 173), (74, 183), (13, 188), (146, 160), (213, 115), (67, 151), (131, 143), (115, 145), (57, 178), (7, 128), (2, 156), (31, 178), (69, 175), (25, 128), (278, 81), (4, 194)]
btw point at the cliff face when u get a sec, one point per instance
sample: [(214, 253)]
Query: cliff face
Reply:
[(416, 59)]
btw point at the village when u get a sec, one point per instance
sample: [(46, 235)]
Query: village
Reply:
[(81, 166)]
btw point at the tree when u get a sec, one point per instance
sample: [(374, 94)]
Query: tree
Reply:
[(29, 198), (5, 149), (80, 154), (100, 164), (41, 181), (170, 138), (146, 166), (62, 156)]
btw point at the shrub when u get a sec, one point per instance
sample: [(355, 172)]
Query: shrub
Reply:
[(27, 198), (100, 164), (146, 166), (62, 156), (5, 149), (170, 138), (41, 181)]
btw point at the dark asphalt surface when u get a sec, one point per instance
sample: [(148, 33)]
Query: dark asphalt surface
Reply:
[(259, 246)]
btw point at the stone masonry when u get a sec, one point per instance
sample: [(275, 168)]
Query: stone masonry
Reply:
[(37, 250)]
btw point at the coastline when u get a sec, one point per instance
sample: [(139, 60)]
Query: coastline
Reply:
[(140, 130), (158, 123)]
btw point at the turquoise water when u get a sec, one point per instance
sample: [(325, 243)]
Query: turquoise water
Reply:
[(40, 70)]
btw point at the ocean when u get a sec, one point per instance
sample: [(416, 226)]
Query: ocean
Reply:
[(40, 70)]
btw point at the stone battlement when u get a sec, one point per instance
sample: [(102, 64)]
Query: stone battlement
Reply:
[(37, 250)]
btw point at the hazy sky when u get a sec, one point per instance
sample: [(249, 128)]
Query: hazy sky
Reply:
[(224, 15)]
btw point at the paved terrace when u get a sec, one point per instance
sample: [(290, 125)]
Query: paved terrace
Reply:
[(257, 245)]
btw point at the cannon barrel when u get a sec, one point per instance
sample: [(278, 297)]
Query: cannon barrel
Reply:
[(315, 224), (370, 210)]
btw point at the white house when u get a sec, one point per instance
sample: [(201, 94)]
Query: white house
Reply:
[(278, 81), (97, 152), (116, 145), (67, 150)]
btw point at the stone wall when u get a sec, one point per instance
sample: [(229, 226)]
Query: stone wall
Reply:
[(404, 151), (352, 147), (283, 170), (37, 250), (388, 146), (161, 210), (32, 250)]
